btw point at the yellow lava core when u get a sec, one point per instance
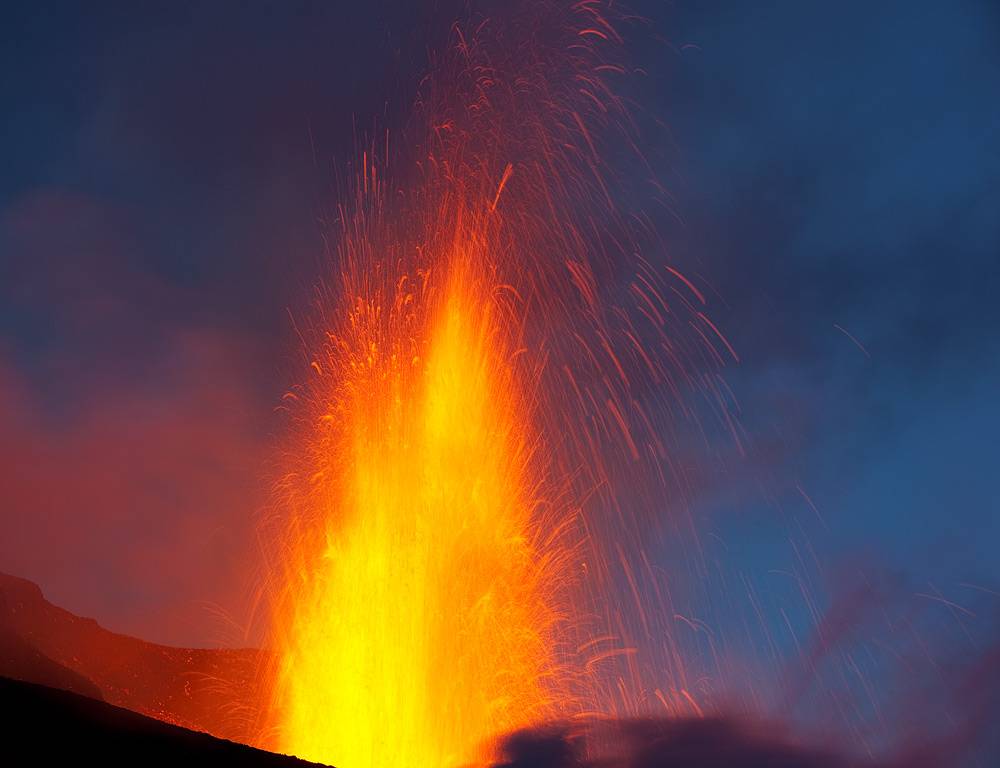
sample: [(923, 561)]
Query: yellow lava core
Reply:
[(417, 621)]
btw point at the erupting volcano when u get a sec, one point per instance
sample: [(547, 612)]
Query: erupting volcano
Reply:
[(526, 506), (429, 593)]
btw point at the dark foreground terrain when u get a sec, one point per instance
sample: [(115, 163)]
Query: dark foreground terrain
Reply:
[(211, 690), (45, 726)]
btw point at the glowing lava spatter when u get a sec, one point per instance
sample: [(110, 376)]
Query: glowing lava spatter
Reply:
[(471, 392)]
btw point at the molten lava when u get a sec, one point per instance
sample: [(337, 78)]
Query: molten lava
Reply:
[(479, 403), (421, 628)]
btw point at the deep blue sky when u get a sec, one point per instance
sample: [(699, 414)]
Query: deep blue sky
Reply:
[(162, 170)]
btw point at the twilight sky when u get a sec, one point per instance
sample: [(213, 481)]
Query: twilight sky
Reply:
[(163, 169)]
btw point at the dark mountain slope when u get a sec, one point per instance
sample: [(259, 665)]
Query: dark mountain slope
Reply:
[(212, 690), (45, 726)]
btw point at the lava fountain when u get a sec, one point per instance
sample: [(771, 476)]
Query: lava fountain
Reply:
[(470, 392), (422, 623)]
